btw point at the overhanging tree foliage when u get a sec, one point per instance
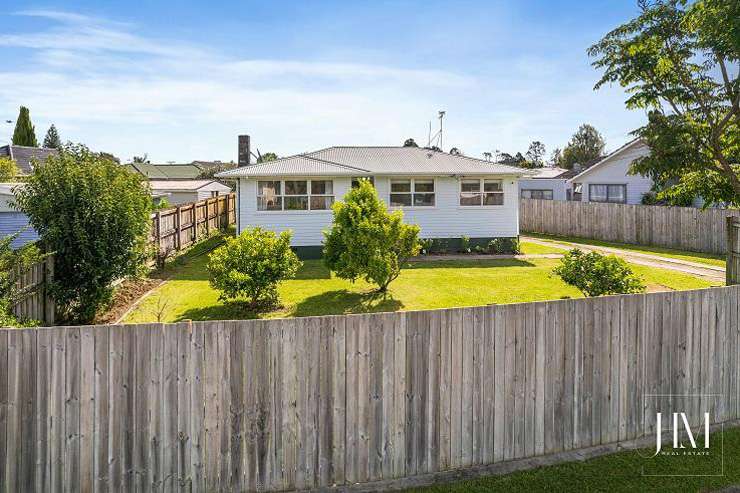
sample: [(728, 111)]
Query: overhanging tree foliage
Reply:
[(94, 216), (24, 133), (679, 60), (366, 241)]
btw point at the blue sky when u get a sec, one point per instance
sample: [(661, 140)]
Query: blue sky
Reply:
[(179, 81)]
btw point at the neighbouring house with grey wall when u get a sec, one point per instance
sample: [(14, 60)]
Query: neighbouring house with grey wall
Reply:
[(178, 192), (11, 220), (609, 180), (448, 196), (546, 184)]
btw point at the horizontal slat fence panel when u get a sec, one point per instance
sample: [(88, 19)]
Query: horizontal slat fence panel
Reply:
[(682, 228), (270, 405)]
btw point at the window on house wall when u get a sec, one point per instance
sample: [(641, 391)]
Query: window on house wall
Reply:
[(537, 194), (607, 193), (356, 180), (416, 192), (481, 192), (297, 195)]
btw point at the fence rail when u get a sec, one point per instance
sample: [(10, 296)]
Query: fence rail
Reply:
[(179, 227), (683, 228), (299, 403)]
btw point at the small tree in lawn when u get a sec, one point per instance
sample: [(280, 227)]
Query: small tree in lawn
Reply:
[(596, 275), (94, 216), (252, 265), (366, 241)]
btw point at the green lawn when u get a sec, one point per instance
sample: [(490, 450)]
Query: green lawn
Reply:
[(702, 258), (422, 285), (621, 472), (529, 248)]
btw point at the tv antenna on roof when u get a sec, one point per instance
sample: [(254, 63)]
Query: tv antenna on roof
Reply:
[(438, 136)]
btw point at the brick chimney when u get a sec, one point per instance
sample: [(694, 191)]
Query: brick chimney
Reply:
[(245, 152)]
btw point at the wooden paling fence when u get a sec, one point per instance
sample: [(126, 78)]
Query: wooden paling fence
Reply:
[(297, 403), (733, 250), (35, 302), (179, 227), (683, 228)]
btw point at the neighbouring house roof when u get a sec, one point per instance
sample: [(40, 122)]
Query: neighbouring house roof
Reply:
[(166, 171), (548, 173), (179, 171), (186, 185), (23, 156), (600, 162), (359, 161)]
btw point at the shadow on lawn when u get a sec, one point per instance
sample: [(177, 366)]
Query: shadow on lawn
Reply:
[(343, 301), (466, 264), (225, 311)]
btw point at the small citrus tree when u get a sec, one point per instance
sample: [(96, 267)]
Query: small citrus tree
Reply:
[(252, 265), (366, 241), (596, 275)]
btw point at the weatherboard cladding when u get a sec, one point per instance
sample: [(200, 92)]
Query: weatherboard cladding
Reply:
[(358, 161)]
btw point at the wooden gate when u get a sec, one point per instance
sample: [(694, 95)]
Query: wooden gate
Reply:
[(733, 250)]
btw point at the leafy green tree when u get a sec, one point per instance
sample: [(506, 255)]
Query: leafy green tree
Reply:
[(12, 261), (556, 157), (24, 133), (8, 169), (535, 154), (266, 157), (410, 143), (678, 60), (52, 140), (366, 241), (596, 275), (94, 216), (252, 265), (585, 145)]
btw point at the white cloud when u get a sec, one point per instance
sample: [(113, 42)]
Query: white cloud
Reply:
[(127, 93)]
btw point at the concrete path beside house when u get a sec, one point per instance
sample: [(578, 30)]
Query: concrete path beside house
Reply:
[(712, 272)]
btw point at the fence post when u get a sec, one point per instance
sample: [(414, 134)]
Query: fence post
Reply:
[(178, 229), (49, 303), (208, 217), (732, 269)]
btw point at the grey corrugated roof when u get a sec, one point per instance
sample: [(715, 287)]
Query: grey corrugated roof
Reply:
[(300, 165), (548, 173), (356, 161), (184, 185), (23, 156)]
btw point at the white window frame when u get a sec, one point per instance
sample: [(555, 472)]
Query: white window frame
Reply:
[(541, 190), (482, 193), (283, 196), (607, 185), (412, 191)]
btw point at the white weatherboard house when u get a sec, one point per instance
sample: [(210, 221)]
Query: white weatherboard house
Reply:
[(448, 196), (609, 180), (545, 184), (11, 220)]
